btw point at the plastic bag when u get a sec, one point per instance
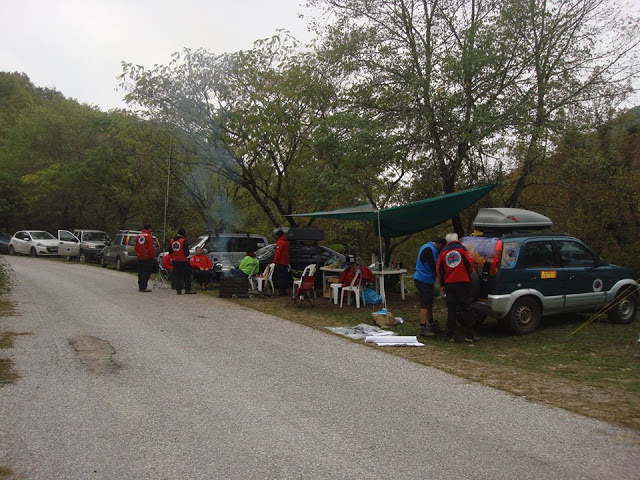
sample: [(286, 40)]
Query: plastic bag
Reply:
[(370, 296)]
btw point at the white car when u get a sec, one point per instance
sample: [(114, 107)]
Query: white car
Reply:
[(34, 243)]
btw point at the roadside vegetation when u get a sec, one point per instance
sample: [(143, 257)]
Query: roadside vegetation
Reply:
[(7, 372)]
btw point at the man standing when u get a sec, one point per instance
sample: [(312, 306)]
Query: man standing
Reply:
[(179, 248), (424, 279), (145, 253), (281, 260), (454, 269)]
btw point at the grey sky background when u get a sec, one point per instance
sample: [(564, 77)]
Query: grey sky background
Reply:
[(77, 46)]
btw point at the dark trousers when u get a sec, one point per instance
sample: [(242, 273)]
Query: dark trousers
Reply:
[(459, 300), (281, 277), (144, 272), (181, 275), (202, 276)]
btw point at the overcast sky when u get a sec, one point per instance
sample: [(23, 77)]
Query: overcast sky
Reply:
[(77, 46)]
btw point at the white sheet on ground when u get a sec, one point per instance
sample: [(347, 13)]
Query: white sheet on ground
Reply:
[(395, 341), (361, 331)]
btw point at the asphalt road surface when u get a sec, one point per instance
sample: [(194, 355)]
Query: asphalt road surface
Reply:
[(117, 384)]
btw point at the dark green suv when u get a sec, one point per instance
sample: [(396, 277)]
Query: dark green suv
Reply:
[(525, 274)]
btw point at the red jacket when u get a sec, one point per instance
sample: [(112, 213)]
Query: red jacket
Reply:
[(281, 257), (200, 261), (348, 273), (177, 249), (166, 262), (454, 264), (144, 248)]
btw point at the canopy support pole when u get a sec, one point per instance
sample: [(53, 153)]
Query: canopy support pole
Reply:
[(381, 263)]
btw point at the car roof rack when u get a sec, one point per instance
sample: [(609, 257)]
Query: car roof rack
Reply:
[(505, 220)]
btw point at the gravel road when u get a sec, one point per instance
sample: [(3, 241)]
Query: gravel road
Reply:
[(116, 384)]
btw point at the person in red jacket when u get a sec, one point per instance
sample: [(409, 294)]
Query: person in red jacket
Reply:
[(179, 248), (454, 269), (201, 266), (281, 275), (145, 253)]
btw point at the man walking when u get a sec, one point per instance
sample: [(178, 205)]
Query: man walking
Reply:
[(145, 253), (454, 269), (424, 279)]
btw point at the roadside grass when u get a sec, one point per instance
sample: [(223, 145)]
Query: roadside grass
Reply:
[(595, 372)]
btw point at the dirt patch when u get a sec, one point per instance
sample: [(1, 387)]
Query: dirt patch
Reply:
[(95, 354), (7, 308), (7, 373), (7, 473)]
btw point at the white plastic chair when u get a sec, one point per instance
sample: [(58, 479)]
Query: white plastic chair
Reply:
[(353, 287), (335, 292), (309, 271), (266, 279)]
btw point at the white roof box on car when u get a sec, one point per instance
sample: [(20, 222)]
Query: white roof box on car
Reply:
[(505, 219)]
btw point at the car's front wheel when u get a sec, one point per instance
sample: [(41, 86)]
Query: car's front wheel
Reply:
[(118, 264), (524, 316), (34, 253), (82, 258), (12, 251), (624, 306)]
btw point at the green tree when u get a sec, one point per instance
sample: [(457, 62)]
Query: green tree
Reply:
[(249, 117), (438, 74), (597, 174), (583, 57)]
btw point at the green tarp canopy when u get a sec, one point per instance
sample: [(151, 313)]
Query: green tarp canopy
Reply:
[(411, 218)]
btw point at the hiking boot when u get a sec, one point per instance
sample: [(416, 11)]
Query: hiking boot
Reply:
[(189, 292), (474, 338), (451, 338), (423, 331), (179, 292), (435, 328)]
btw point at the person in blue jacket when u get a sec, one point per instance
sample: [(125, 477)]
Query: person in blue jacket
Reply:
[(424, 279)]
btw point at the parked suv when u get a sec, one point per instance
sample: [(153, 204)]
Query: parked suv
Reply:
[(227, 250), (526, 274), (81, 244), (91, 242), (120, 251)]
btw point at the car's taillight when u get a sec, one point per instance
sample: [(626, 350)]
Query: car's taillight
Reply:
[(494, 266)]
